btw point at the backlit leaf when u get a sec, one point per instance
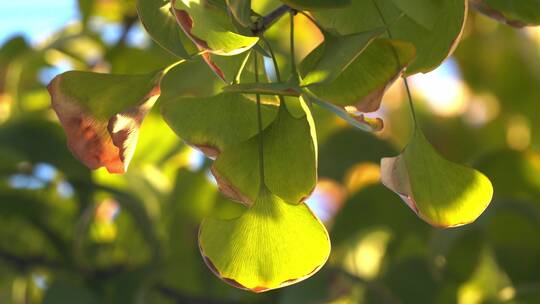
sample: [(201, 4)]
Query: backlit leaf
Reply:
[(241, 10), (272, 245), (101, 114), (405, 22), (159, 22), (210, 28), (364, 81), (316, 4), (442, 193), (215, 123), (290, 160), (338, 52)]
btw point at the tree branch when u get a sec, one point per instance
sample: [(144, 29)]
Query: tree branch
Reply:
[(267, 21)]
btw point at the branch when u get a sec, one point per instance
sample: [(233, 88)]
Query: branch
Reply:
[(267, 21)]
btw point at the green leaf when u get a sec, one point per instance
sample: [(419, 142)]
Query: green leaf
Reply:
[(405, 22), (241, 10), (338, 52), (442, 193), (101, 114), (363, 83), (190, 79), (316, 4), (290, 160), (210, 28), (515, 13), (274, 88), (215, 123), (420, 11), (160, 24), (272, 245)]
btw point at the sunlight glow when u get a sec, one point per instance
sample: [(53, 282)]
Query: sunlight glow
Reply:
[(364, 258), (443, 89), (361, 176), (482, 109), (518, 133), (327, 199)]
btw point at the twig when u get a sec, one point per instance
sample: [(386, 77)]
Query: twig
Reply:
[(267, 21)]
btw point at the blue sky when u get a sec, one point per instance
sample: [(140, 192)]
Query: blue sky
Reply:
[(35, 19)]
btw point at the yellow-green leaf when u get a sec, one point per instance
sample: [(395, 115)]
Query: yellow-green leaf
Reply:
[(272, 245), (210, 27), (442, 193)]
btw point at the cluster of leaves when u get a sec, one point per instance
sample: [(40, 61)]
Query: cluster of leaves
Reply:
[(258, 127), (74, 235)]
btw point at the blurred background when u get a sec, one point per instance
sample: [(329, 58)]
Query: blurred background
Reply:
[(69, 235)]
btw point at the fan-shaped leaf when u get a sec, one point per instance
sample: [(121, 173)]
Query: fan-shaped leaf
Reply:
[(316, 4), (442, 193), (210, 28), (338, 52), (159, 22), (405, 22), (363, 82), (272, 245), (101, 114), (241, 10), (290, 161), (212, 124)]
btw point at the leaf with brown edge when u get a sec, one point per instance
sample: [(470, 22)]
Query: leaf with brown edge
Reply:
[(215, 123), (433, 27), (362, 84), (271, 245), (290, 159), (101, 114), (442, 193), (210, 27)]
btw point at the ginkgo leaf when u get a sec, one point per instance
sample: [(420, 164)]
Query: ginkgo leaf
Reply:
[(316, 4), (101, 114), (364, 81), (442, 193), (241, 10), (212, 124), (514, 13), (159, 22), (421, 11), (338, 52), (210, 27), (350, 114), (290, 160), (190, 79), (434, 30), (272, 245), (274, 88)]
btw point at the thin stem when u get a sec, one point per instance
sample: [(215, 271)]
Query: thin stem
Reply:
[(294, 72), (259, 120), (405, 82), (273, 55), (242, 67), (411, 104)]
